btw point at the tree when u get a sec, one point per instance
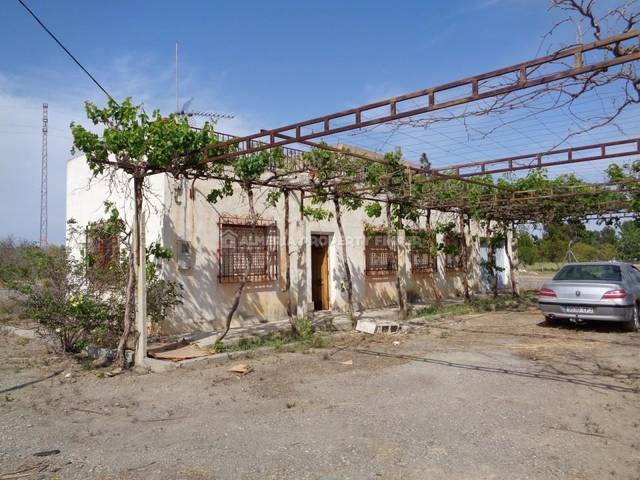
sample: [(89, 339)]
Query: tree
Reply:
[(629, 241), (527, 247), (505, 230), (140, 145), (391, 179), (606, 236)]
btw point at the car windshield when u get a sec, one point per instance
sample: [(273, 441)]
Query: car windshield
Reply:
[(609, 273)]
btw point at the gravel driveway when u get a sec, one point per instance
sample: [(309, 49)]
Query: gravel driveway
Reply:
[(485, 396)]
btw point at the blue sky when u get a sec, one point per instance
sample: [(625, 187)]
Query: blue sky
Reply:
[(268, 63)]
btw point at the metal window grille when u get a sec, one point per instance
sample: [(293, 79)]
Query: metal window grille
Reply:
[(102, 248), (380, 255), (423, 257), (454, 260), (246, 250)]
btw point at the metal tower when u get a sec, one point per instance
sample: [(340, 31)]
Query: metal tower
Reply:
[(43, 182)]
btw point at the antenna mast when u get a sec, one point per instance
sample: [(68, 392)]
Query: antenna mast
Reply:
[(43, 181), (177, 82)]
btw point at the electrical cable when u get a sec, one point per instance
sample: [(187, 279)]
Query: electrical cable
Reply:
[(51, 34)]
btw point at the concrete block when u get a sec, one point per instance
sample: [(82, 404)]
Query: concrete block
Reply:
[(377, 326), (94, 352), (366, 326)]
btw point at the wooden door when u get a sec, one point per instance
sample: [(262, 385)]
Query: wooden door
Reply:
[(320, 271)]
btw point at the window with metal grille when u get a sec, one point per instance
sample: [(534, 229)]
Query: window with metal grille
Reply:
[(453, 249), (247, 251), (380, 254), (102, 247), (423, 248)]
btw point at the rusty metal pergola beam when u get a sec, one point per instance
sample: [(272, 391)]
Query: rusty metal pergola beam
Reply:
[(550, 158), (474, 88), (435, 174), (506, 204), (534, 198)]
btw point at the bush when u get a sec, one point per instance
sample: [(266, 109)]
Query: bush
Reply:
[(162, 297), (588, 253), (628, 244), (585, 252), (20, 261), (63, 303), (75, 320), (304, 327), (80, 304), (79, 296)]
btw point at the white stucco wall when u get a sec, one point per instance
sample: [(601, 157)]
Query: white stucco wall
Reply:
[(178, 211), (85, 197)]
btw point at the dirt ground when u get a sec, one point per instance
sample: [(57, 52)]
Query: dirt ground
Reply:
[(483, 396)]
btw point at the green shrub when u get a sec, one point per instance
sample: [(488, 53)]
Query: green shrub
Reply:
[(74, 320), (304, 326), (585, 252), (80, 296), (21, 261), (65, 305)]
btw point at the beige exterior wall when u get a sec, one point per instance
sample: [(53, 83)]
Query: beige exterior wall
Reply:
[(178, 211), (206, 301)]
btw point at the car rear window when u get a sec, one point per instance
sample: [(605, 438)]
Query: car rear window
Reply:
[(609, 273)]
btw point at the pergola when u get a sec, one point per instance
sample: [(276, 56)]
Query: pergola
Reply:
[(326, 169), (583, 62)]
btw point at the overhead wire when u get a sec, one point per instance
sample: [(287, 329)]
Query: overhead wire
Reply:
[(71, 55)]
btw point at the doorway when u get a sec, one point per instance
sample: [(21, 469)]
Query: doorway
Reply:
[(320, 271)]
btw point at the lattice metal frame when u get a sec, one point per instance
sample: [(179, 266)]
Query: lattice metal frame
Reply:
[(103, 249), (568, 62), (380, 254), (246, 250), (454, 262), (423, 258)]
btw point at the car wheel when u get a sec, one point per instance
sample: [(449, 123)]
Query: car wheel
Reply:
[(633, 325), (551, 321)]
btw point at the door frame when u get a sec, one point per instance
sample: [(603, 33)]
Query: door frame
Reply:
[(330, 262)]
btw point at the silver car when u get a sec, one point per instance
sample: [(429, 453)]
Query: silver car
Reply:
[(607, 291)]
